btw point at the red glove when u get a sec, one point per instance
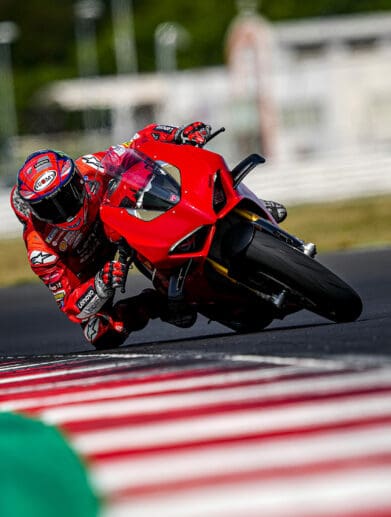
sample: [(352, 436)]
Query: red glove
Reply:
[(111, 276), (196, 133)]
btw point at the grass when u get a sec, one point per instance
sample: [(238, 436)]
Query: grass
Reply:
[(332, 226), (343, 224), (14, 266)]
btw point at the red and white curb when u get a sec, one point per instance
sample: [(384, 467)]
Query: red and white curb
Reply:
[(218, 435)]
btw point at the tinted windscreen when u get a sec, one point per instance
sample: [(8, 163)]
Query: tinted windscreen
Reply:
[(141, 184)]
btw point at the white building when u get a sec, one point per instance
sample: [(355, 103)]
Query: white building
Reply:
[(297, 88), (314, 96), (324, 84)]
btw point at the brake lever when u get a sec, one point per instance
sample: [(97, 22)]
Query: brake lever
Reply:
[(212, 135)]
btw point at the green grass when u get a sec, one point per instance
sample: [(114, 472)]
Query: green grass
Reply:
[(332, 226), (343, 224), (14, 266)]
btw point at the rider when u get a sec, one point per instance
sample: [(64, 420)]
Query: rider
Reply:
[(57, 199)]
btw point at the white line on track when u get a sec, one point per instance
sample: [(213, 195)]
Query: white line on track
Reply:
[(63, 372), (287, 388), (228, 425), (295, 386), (306, 496), (25, 366), (128, 374), (174, 401), (179, 466)]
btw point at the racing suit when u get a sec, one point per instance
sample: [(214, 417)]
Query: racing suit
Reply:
[(68, 261)]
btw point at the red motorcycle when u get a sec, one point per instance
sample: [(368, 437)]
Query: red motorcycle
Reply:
[(206, 241)]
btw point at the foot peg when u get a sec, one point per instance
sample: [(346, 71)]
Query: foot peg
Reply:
[(309, 249), (278, 211)]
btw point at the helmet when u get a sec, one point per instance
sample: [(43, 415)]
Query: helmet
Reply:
[(51, 184)]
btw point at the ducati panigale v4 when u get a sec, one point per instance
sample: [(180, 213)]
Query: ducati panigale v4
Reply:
[(207, 242)]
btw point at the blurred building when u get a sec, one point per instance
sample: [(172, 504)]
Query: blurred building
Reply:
[(314, 96), (312, 86), (292, 89)]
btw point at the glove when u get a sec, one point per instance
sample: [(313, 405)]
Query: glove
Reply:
[(196, 133), (111, 276)]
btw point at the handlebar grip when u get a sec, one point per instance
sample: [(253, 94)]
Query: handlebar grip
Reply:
[(125, 256)]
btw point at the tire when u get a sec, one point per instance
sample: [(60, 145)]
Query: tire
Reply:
[(321, 290)]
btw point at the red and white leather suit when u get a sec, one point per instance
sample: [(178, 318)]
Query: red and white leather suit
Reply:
[(68, 261)]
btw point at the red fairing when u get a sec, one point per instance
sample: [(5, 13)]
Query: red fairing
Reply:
[(170, 208), (154, 238)]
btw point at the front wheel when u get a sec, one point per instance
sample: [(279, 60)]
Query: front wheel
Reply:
[(320, 290)]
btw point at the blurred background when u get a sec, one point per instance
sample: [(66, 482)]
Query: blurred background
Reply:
[(308, 85)]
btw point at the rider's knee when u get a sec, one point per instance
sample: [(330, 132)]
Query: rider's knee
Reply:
[(101, 332)]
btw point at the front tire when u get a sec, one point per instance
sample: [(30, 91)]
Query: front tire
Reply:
[(321, 291)]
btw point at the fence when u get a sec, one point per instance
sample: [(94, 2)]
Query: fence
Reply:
[(326, 179)]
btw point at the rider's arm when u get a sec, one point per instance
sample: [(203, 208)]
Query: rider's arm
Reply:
[(78, 300), (196, 133), (20, 207)]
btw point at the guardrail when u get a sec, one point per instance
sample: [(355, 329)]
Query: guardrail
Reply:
[(329, 179)]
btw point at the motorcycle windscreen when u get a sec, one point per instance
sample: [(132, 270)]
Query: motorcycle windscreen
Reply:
[(144, 187)]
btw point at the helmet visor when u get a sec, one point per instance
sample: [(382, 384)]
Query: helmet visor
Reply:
[(64, 204)]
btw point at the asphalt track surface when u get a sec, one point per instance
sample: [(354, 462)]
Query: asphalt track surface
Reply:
[(31, 324), (294, 421)]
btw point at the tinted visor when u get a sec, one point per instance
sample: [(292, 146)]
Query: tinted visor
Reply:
[(63, 204)]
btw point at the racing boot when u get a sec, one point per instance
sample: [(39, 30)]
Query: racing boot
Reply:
[(277, 210), (175, 312), (111, 327), (179, 314), (136, 312)]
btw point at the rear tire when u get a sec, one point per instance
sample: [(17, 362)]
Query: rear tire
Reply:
[(326, 294)]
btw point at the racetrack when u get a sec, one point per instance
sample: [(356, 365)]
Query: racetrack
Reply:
[(294, 421), (31, 323)]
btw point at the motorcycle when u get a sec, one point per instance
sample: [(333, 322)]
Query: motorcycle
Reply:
[(209, 244)]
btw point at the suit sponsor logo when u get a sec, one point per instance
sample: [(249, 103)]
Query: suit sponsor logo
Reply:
[(91, 329), (55, 286), (118, 149), (59, 297), (51, 235), (42, 258), (165, 129), (85, 299), (63, 246), (92, 161)]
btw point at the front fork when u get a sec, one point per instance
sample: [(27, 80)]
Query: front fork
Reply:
[(308, 248), (260, 224)]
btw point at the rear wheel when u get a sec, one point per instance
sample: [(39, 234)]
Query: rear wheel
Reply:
[(320, 290)]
